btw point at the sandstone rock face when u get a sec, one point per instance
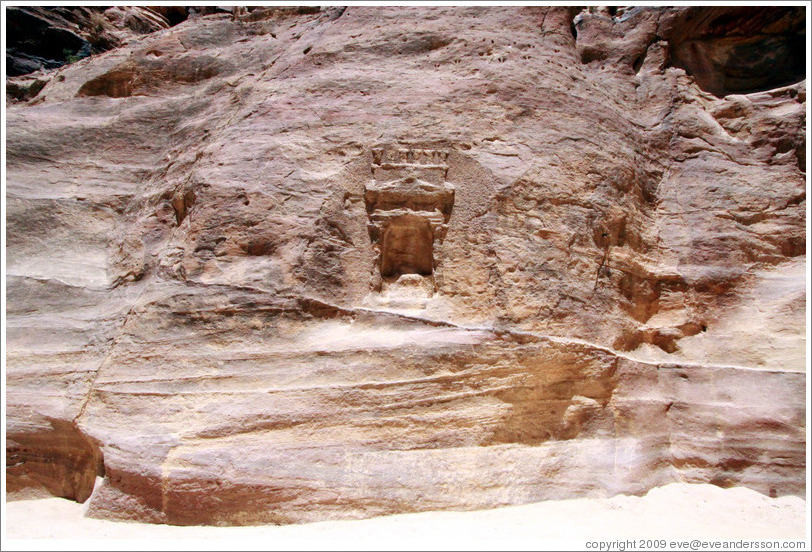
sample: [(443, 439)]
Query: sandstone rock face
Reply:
[(286, 265)]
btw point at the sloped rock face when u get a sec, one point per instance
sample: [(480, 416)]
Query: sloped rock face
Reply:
[(292, 264)]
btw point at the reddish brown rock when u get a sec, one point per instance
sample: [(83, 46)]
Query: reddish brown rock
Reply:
[(285, 265)]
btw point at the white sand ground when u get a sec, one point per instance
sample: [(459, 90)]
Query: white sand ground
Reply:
[(674, 512)]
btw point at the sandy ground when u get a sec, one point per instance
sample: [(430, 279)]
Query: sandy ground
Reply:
[(674, 512)]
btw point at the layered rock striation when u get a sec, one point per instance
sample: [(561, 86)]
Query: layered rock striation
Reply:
[(284, 265)]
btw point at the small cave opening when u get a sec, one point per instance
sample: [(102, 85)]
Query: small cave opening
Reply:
[(175, 15)]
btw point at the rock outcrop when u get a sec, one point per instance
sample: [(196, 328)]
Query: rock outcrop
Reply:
[(291, 264)]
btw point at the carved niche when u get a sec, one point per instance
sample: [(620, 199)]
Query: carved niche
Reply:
[(409, 204)]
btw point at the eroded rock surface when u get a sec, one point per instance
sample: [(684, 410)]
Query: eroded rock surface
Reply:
[(284, 265)]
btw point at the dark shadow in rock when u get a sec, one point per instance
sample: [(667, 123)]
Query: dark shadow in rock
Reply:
[(739, 50), (33, 43)]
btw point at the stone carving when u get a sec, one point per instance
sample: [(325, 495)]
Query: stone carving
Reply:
[(409, 204)]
